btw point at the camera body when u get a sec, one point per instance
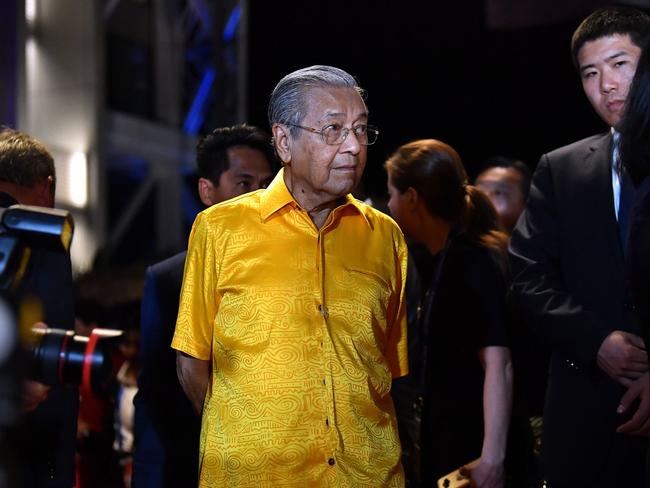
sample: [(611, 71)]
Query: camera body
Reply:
[(51, 356), (38, 446)]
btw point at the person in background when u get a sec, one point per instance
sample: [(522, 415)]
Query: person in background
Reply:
[(45, 441), (459, 359), (231, 161), (506, 182), (567, 255), (127, 387), (97, 464)]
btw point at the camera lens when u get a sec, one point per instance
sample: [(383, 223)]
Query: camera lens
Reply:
[(62, 357)]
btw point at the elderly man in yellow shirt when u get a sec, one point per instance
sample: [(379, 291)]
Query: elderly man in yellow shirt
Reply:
[(291, 322)]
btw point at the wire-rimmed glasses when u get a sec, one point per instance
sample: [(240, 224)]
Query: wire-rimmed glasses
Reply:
[(335, 134)]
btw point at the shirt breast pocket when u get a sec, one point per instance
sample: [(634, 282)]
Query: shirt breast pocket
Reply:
[(371, 297), (241, 323)]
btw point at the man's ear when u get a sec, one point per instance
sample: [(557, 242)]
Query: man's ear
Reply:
[(206, 189), (281, 140), (44, 192)]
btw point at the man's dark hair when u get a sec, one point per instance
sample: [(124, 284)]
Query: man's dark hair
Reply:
[(24, 161), (212, 150), (608, 21), (517, 165)]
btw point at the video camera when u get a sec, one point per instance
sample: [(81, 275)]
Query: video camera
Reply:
[(52, 356)]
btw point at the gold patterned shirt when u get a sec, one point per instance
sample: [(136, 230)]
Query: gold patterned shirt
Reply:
[(305, 329)]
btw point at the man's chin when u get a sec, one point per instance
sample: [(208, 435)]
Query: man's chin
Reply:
[(611, 118), (344, 185)]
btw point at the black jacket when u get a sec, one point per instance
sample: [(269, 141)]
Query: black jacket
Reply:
[(568, 273)]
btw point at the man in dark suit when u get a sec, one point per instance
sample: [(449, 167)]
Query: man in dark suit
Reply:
[(567, 259), (231, 161), (45, 439)]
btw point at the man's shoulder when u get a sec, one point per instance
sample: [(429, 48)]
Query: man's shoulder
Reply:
[(581, 148), (169, 265), (234, 207)]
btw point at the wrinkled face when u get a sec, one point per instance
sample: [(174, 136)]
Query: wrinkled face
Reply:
[(248, 170), (607, 66), (317, 172), (503, 187)]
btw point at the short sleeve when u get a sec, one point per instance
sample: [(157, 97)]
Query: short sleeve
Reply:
[(199, 300), (397, 346), (487, 303)]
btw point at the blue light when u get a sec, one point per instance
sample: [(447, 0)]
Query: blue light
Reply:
[(194, 117), (231, 26)]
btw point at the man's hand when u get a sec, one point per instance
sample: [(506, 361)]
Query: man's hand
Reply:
[(33, 394), (639, 424), (622, 356), (483, 474)]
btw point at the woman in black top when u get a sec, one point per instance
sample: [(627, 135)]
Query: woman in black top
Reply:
[(459, 360)]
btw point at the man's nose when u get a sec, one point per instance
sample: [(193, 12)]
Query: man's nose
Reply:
[(351, 143), (608, 82)]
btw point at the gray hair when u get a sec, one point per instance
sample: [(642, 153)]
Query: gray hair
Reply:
[(287, 104)]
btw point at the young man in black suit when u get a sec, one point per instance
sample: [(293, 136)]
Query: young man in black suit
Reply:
[(567, 259), (231, 161)]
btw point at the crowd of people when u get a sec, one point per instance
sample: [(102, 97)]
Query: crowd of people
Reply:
[(318, 341)]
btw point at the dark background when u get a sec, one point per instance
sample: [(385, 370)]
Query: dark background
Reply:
[(431, 70)]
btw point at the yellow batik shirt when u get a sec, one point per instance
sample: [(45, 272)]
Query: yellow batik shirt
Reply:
[(305, 329)]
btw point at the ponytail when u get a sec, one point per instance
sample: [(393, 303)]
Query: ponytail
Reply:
[(436, 172), (479, 222)]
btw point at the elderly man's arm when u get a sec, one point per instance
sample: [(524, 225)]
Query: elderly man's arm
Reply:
[(193, 375)]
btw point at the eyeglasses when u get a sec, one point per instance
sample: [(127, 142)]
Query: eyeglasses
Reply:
[(335, 134)]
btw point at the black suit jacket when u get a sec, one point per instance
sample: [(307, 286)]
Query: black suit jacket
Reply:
[(166, 427), (569, 280)]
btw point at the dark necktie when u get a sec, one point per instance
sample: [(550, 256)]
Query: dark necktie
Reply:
[(628, 192)]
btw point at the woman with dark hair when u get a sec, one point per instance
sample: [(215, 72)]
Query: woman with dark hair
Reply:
[(634, 143), (460, 362), (634, 152)]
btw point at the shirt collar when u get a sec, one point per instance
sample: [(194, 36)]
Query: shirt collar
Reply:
[(277, 196)]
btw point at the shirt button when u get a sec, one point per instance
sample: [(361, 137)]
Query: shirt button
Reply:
[(331, 461), (323, 310)]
